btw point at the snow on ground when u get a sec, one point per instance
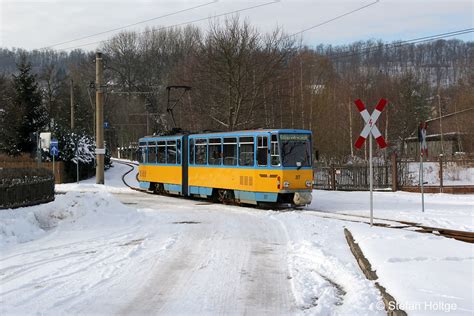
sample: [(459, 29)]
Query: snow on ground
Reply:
[(113, 180), (86, 253), (441, 210), (324, 272), (91, 252), (426, 274)]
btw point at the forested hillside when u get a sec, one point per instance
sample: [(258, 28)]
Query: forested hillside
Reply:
[(241, 78)]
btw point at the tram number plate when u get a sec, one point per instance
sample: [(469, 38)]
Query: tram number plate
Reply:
[(297, 177)]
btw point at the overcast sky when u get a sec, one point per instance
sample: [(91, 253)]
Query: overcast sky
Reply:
[(39, 23)]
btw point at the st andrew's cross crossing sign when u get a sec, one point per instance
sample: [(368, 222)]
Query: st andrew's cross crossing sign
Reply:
[(371, 128), (370, 120)]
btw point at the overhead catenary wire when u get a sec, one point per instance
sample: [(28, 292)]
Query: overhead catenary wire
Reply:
[(399, 44), (333, 19), (181, 24), (132, 24)]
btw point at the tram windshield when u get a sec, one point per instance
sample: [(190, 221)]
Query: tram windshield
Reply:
[(295, 150)]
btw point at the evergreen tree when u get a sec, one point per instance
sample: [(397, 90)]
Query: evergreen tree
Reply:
[(28, 105), (10, 118)]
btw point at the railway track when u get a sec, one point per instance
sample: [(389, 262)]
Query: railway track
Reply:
[(460, 235), (379, 222)]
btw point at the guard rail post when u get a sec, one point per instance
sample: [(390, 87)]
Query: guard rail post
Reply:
[(333, 178), (394, 173), (440, 173)]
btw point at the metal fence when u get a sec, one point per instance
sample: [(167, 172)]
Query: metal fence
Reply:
[(437, 172), (352, 177), (24, 187), (397, 173)]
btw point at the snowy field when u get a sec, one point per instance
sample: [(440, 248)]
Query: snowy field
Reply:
[(452, 174), (454, 211), (111, 250)]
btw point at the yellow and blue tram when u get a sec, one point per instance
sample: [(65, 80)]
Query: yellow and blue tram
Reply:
[(272, 166)]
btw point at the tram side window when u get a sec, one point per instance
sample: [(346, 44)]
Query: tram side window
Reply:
[(161, 152), (171, 151), (246, 151), (230, 151), (262, 150), (274, 151), (142, 153), (178, 151), (215, 151), (191, 151), (201, 151), (152, 152)]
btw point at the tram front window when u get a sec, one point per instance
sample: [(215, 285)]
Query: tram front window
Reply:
[(295, 150)]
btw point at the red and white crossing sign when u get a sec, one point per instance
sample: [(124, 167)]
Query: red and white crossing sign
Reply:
[(370, 120), (422, 139)]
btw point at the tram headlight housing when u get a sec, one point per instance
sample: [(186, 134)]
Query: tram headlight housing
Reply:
[(286, 184), (309, 183)]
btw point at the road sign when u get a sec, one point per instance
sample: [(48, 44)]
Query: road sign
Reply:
[(370, 120), (422, 138), (106, 124), (371, 128), (45, 140), (54, 147)]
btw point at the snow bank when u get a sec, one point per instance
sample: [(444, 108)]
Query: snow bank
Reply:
[(325, 277), (86, 209), (426, 274)]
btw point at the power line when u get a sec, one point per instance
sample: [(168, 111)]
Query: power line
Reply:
[(181, 24), (133, 24), (333, 19), (402, 43)]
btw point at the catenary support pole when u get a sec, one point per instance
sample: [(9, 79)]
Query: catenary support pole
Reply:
[(100, 150), (371, 175)]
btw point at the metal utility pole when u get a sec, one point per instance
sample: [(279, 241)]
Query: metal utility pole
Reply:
[(440, 122), (371, 183), (72, 105), (99, 126)]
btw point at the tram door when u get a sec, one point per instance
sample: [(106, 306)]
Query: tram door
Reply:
[(184, 165)]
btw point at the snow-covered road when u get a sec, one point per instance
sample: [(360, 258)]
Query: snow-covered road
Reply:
[(111, 250), (177, 256), (222, 262)]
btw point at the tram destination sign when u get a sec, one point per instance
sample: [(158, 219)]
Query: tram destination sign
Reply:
[(294, 137)]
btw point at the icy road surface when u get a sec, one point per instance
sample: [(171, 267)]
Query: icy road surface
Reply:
[(86, 253)]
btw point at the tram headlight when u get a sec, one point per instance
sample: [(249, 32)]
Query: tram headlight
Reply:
[(286, 184), (308, 183)]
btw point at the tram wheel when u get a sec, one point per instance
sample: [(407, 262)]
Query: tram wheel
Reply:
[(225, 196)]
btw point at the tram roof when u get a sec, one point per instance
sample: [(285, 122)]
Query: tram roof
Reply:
[(242, 132)]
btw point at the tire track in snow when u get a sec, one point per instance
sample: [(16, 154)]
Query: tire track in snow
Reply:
[(322, 284), (235, 262)]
